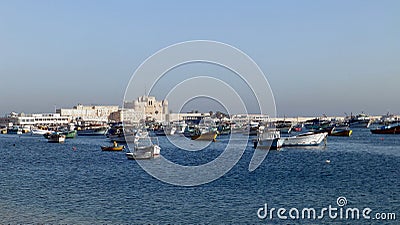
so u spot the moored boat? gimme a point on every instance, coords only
(112, 148)
(268, 139)
(70, 134)
(284, 126)
(387, 130)
(144, 148)
(204, 131)
(56, 138)
(359, 121)
(341, 132)
(93, 131)
(206, 136)
(306, 139)
(14, 130)
(39, 132)
(179, 127)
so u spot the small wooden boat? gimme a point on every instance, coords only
(208, 136)
(112, 148)
(341, 132)
(387, 130)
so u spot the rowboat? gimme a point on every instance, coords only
(112, 148)
(207, 136)
(341, 132)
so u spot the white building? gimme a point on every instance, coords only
(250, 117)
(89, 113)
(149, 107)
(27, 120)
(127, 116)
(188, 116)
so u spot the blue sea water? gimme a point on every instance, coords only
(77, 183)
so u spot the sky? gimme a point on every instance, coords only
(319, 57)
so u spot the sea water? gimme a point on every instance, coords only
(77, 183)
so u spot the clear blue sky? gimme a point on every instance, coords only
(319, 56)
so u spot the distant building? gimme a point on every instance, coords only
(126, 115)
(47, 119)
(149, 107)
(251, 117)
(89, 113)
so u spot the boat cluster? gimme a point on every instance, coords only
(267, 134)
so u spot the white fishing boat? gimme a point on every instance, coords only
(305, 139)
(144, 148)
(179, 126)
(39, 132)
(268, 139)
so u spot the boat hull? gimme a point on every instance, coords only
(147, 152)
(56, 138)
(341, 133)
(111, 148)
(360, 124)
(70, 134)
(39, 132)
(14, 131)
(93, 132)
(271, 144)
(385, 130)
(209, 136)
(308, 139)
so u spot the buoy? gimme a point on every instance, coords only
(74, 148)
